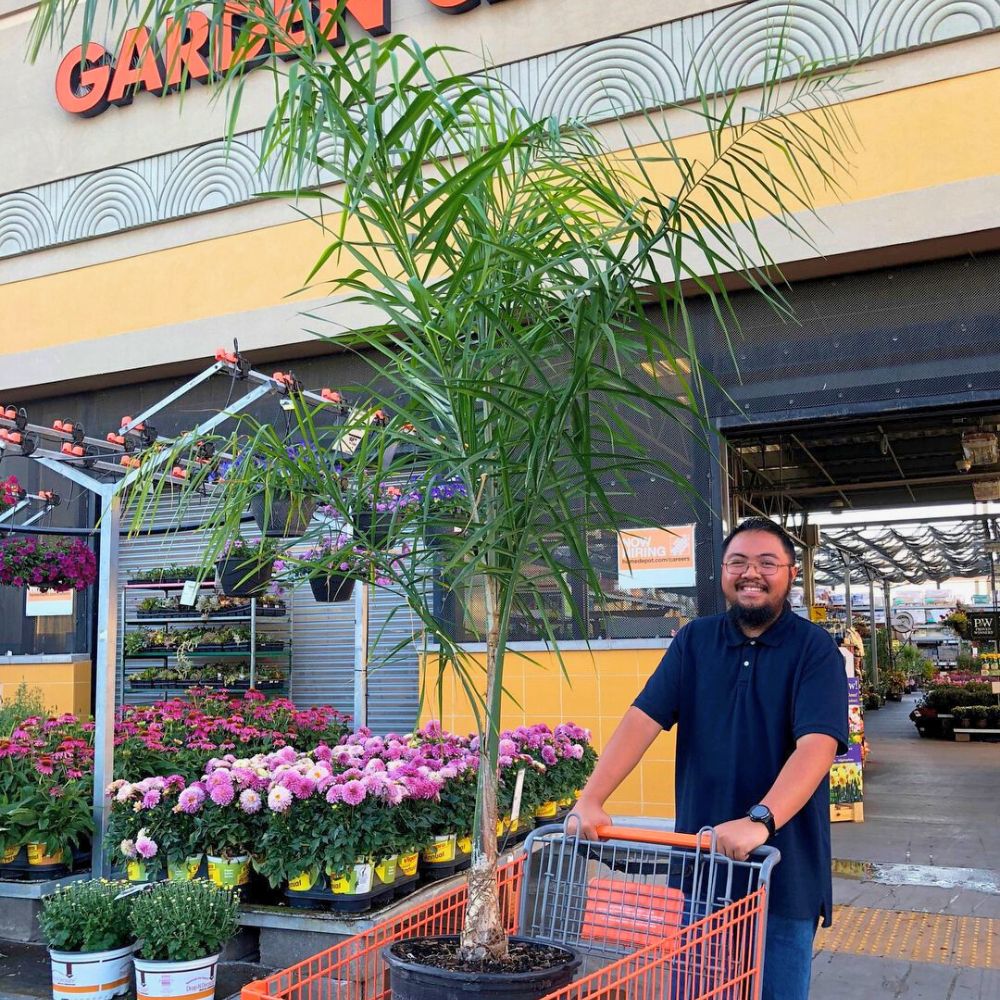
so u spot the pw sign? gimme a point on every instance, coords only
(90, 78)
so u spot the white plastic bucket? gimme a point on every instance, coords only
(91, 975)
(194, 980)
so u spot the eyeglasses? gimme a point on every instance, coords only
(766, 566)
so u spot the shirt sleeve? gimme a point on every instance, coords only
(820, 704)
(660, 698)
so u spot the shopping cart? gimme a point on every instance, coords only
(656, 915)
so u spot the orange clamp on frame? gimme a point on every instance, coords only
(178, 473)
(331, 396)
(57, 425)
(230, 357)
(9, 412)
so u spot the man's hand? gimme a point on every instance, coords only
(591, 816)
(739, 837)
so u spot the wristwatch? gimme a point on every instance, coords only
(761, 814)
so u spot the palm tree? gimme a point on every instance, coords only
(520, 272)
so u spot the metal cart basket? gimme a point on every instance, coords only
(656, 915)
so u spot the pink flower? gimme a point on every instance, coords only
(145, 847)
(354, 793)
(190, 799)
(221, 793)
(250, 801)
(151, 799)
(549, 755)
(279, 799)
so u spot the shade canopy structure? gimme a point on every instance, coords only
(908, 552)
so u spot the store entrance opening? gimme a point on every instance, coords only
(897, 525)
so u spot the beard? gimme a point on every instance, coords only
(759, 615)
(754, 617)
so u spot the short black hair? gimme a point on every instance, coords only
(762, 524)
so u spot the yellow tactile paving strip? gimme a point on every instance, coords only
(963, 942)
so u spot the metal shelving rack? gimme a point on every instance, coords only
(130, 695)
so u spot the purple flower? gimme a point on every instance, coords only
(549, 755)
(151, 799)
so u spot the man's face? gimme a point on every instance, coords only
(757, 596)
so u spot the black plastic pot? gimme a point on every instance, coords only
(233, 580)
(373, 528)
(332, 589)
(412, 981)
(289, 516)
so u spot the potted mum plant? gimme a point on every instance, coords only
(88, 929)
(508, 351)
(229, 823)
(182, 928)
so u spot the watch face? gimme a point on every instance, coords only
(759, 813)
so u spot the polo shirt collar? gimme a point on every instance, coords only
(772, 636)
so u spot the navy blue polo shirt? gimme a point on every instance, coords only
(739, 705)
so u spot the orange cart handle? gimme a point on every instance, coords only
(667, 838)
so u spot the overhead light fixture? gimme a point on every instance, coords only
(837, 505)
(980, 447)
(987, 489)
(963, 465)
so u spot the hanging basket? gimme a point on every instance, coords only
(373, 529)
(288, 516)
(237, 577)
(332, 589)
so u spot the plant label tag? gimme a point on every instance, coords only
(996, 687)
(189, 595)
(515, 809)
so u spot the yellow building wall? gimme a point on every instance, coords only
(597, 688)
(948, 130)
(65, 687)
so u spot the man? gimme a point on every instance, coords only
(759, 697)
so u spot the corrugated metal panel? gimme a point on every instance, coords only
(393, 680)
(323, 635)
(323, 657)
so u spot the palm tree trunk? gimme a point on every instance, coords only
(483, 934)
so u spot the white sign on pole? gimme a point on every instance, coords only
(656, 557)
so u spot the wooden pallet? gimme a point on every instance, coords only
(852, 813)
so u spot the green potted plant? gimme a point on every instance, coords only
(182, 928)
(88, 929)
(59, 820)
(522, 281)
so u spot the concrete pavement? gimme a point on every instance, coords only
(919, 918)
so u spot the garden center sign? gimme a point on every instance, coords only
(90, 78)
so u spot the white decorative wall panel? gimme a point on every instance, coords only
(618, 76)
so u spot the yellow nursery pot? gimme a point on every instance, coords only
(441, 849)
(38, 854)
